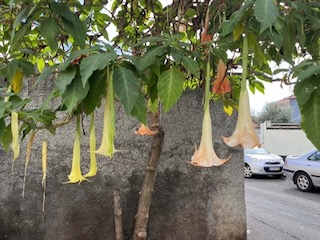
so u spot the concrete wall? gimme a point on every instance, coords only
(284, 140)
(188, 203)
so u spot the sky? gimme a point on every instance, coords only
(273, 92)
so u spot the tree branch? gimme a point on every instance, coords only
(142, 216)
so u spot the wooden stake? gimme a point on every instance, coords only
(117, 215)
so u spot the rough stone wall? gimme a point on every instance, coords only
(189, 203)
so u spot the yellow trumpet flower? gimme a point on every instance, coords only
(244, 133)
(15, 145)
(44, 163)
(16, 82)
(107, 145)
(75, 175)
(93, 162)
(205, 156)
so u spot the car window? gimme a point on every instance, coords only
(256, 151)
(315, 156)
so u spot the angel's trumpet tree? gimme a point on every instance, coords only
(107, 145)
(75, 175)
(244, 133)
(205, 155)
(93, 162)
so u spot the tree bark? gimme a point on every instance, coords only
(142, 216)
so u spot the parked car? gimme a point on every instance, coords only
(259, 161)
(304, 170)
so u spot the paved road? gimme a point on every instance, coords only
(277, 210)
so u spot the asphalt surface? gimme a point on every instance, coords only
(277, 210)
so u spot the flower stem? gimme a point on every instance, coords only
(244, 62)
(207, 84)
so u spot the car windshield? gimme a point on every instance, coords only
(260, 151)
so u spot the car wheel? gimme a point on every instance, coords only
(303, 182)
(247, 171)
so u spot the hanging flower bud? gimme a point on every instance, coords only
(15, 145)
(221, 84)
(16, 83)
(44, 163)
(93, 162)
(107, 145)
(145, 130)
(28, 156)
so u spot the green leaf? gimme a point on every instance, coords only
(49, 29)
(289, 39)
(27, 67)
(192, 66)
(6, 137)
(16, 37)
(65, 78)
(2, 109)
(170, 87)
(77, 30)
(97, 90)
(74, 93)
(148, 58)
(10, 70)
(45, 74)
(127, 88)
(139, 109)
(71, 22)
(229, 25)
(310, 115)
(311, 70)
(266, 12)
(259, 57)
(303, 89)
(76, 54)
(95, 62)
(2, 128)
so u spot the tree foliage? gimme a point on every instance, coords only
(275, 113)
(156, 50)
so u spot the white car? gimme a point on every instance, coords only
(304, 170)
(259, 161)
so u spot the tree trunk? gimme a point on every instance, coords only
(142, 216)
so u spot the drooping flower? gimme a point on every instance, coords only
(15, 145)
(75, 175)
(28, 156)
(145, 130)
(107, 145)
(221, 83)
(244, 133)
(93, 162)
(44, 163)
(205, 155)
